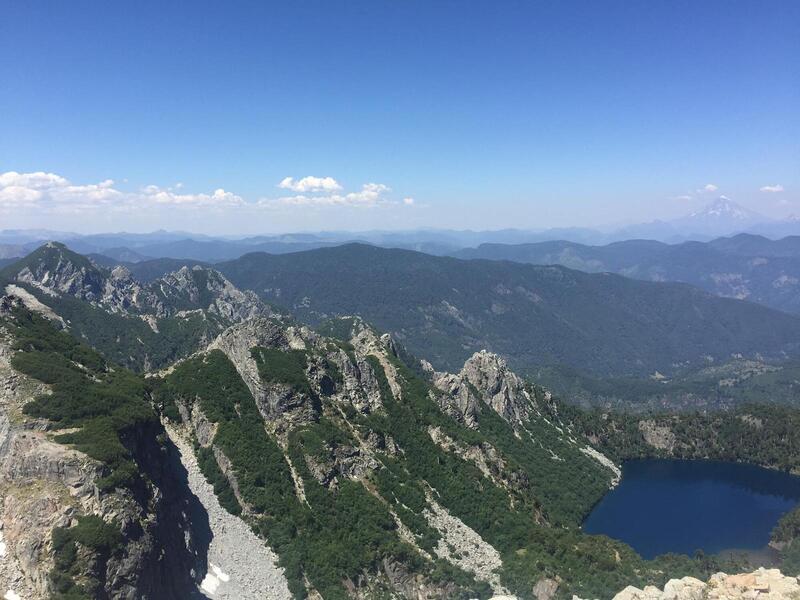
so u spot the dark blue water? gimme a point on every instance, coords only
(682, 506)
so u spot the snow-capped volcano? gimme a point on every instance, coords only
(725, 208)
(721, 217)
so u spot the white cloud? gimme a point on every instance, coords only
(48, 192)
(30, 197)
(218, 198)
(310, 184)
(772, 188)
(37, 180)
(370, 196)
(709, 187)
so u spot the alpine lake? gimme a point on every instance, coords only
(682, 506)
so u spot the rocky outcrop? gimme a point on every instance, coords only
(657, 436)
(237, 342)
(57, 271)
(489, 462)
(341, 461)
(206, 289)
(764, 584)
(485, 378)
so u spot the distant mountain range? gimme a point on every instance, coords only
(747, 267)
(722, 217)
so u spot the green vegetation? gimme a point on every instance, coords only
(595, 566)
(279, 366)
(788, 528)
(125, 339)
(786, 536)
(741, 256)
(222, 488)
(724, 386)
(128, 340)
(591, 566)
(108, 405)
(71, 577)
(259, 466)
(335, 535)
(258, 463)
(763, 435)
(445, 309)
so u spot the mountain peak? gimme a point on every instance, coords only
(56, 270)
(725, 208)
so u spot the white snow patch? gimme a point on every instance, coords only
(213, 579)
(12, 595)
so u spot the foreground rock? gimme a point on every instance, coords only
(764, 584)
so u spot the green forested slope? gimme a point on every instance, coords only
(445, 309)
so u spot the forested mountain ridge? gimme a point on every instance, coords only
(141, 326)
(746, 267)
(445, 309)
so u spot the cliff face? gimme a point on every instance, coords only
(47, 486)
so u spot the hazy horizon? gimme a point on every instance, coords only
(395, 116)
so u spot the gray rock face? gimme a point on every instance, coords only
(61, 272)
(499, 387)
(657, 436)
(485, 378)
(237, 342)
(341, 461)
(44, 485)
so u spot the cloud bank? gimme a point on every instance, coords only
(43, 199)
(53, 193)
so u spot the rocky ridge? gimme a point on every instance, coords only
(343, 389)
(56, 271)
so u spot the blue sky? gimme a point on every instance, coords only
(436, 114)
